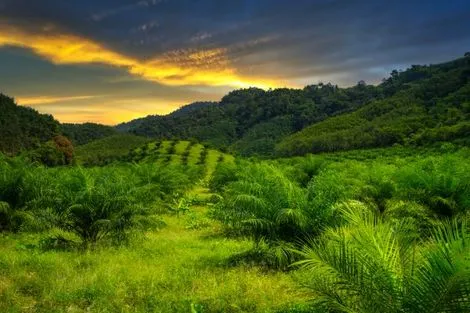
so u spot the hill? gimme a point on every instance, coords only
(427, 104)
(251, 121)
(23, 128)
(420, 105)
(105, 150)
(81, 134)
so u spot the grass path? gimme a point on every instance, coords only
(182, 268)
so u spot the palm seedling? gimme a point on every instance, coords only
(442, 184)
(373, 265)
(264, 205)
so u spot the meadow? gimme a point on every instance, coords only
(175, 226)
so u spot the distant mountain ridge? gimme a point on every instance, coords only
(184, 110)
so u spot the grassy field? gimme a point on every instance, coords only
(185, 267)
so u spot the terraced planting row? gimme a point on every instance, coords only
(180, 153)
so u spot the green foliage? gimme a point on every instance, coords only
(109, 149)
(289, 201)
(94, 204)
(373, 265)
(23, 128)
(56, 152)
(183, 154)
(419, 106)
(252, 121)
(441, 184)
(10, 218)
(422, 105)
(224, 174)
(262, 203)
(81, 134)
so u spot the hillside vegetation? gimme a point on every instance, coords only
(23, 128)
(81, 134)
(419, 106)
(180, 153)
(432, 104)
(252, 121)
(330, 233)
(108, 149)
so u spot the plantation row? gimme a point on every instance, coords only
(93, 204)
(179, 153)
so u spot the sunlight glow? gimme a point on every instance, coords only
(177, 68)
(32, 101)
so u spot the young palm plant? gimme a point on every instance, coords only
(12, 174)
(101, 204)
(375, 265)
(264, 205)
(442, 184)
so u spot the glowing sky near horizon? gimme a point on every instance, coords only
(110, 61)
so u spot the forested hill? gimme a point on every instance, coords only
(182, 111)
(251, 121)
(81, 134)
(420, 105)
(23, 128)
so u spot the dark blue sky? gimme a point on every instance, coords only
(113, 60)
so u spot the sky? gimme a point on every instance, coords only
(110, 61)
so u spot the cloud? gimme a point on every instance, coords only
(201, 36)
(181, 67)
(98, 17)
(32, 101)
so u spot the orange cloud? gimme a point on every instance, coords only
(184, 67)
(32, 101)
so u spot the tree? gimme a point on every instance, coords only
(56, 152)
(64, 145)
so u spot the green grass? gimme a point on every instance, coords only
(165, 145)
(176, 159)
(170, 271)
(181, 146)
(211, 161)
(194, 153)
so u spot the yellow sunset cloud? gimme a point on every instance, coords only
(183, 67)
